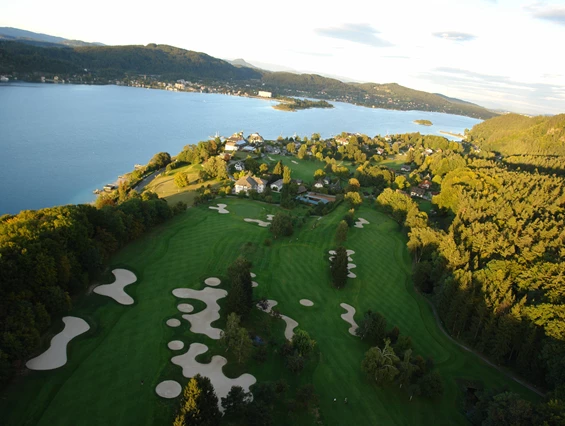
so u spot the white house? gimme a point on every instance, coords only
(277, 185)
(250, 183)
(231, 146)
(264, 94)
(239, 166)
(319, 184)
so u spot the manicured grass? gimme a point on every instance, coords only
(101, 384)
(395, 163)
(300, 169)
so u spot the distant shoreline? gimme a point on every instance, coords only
(457, 135)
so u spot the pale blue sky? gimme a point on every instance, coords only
(501, 54)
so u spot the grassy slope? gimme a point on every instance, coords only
(127, 344)
(165, 186)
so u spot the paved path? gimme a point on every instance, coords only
(147, 180)
(468, 349)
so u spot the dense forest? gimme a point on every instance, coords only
(171, 63)
(49, 255)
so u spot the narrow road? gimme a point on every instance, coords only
(147, 180)
(468, 349)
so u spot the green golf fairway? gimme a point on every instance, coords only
(101, 384)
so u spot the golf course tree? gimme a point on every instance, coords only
(235, 405)
(354, 199)
(341, 232)
(215, 168)
(319, 174)
(240, 294)
(281, 226)
(298, 350)
(199, 404)
(236, 339)
(339, 268)
(372, 328)
(181, 180)
(278, 170)
(380, 364)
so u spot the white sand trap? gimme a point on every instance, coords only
(173, 322)
(116, 289)
(360, 222)
(221, 208)
(290, 323)
(213, 281)
(252, 275)
(351, 275)
(259, 222)
(56, 355)
(332, 252)
(186, 308)
(348, 317)
(294, 161)
(168, 389)
(270, 216)
(272, 159)
(213, 370)
(201, 322)
(254, 284)
(306, 302)
(175, 345)
(350, 252)
(351, 265)
(349, 259)
(332, 258)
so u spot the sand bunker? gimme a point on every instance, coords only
(332, 252)
(290, 323)
(221, 208)
(168, 389)
(116, 289)
(306, 302)
(175, 345)
(186, 308)
(213, 370)
(201, 322)
(259, 222)
(360, 222)
(348, 317)
(351, 265)
(272, 159)
(252, 275)
(213, 281)
(56, 355)
(293, 161)
(254, 284)
(351, 275)
(173, 322)
(350, 252)
(270, 216)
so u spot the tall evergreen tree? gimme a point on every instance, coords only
(339, 268)
(240, 296)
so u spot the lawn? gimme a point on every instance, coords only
(395, 163)
(300, 169)
(101, 383)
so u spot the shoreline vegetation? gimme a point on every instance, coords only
(423, 122)
(294, 104)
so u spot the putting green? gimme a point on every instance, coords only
(128, 345)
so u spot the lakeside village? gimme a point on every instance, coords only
(246, 163)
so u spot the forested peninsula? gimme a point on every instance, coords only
(294, 104)
(158, 66)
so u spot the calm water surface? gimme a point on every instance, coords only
(60, 142)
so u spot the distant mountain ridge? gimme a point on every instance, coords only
(50, 55)
(24, 36)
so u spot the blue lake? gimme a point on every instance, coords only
(60, 142)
